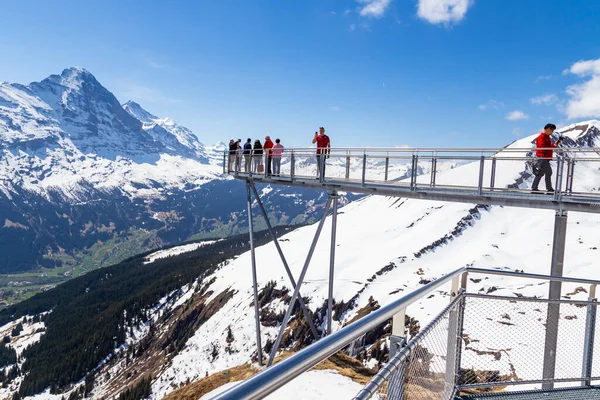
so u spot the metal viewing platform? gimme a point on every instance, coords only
(487, 176)
(434, 364)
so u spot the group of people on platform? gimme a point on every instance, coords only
(253, 156)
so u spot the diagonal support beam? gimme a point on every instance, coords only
(299, 284)
(254, 283)
(284, 261)
(334, 198)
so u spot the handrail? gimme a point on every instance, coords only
(474, 270)
(447, 149)
(278, 375)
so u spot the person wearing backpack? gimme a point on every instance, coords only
(323, 150)
(541, 165)
(247, 155)
(232, 151)
(257, 153)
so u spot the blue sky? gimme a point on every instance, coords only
(449, 73)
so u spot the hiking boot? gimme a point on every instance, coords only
(536, 191)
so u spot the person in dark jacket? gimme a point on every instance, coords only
(257, 154)
(232, 151)
(544, 153)
(247, 154)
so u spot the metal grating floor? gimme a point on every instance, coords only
(591, 393)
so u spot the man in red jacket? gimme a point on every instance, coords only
(267, 148)
(543, 152)
(323, 149)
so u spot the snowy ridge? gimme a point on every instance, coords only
(70, 134)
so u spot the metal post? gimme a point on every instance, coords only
(347, 167)
(570, 174)
(453, 326)
(480, 184)
(253, 258)
(588, 343)
(413, 173)
(560, 162)
(334, 199)
(364, 170)
(293, 166)
(398, 337)
(493, 178)
(285, 264)
(387, 165)
(433, 171)
(556, 269)
(225, 166)
(397, 342)
(299, 284)
(266, 165)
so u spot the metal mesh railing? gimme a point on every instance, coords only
(504, 341)
(575, 171)
(425, 369)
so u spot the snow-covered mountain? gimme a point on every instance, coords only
(386, 247)
(78, 169)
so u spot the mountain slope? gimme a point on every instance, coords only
(86, 182)
(386, 247)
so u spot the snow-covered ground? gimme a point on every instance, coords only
(173, 251)
(314, 385)
(376, 231)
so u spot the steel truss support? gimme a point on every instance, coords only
(334, 200)
(558, 256)
(296, 294)
(253, 258)
(284, 261)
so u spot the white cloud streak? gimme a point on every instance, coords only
(443, 11)
(516, 115)
(544, 99)
(584, 99)
(491, 104)
(374, 8)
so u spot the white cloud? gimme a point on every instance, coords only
(516, 115)
(491, 104)
(543, 78)
(443, 11)
(584, 99)
(544, 99)
(373, 8)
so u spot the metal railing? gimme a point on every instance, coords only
(507, 170)
(443, 358)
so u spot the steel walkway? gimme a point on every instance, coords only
(435, 363)
(574, 190)
(589, 393)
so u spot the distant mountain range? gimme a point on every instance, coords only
(86, 181)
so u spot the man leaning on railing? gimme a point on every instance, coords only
(541, 165)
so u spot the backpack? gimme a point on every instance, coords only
(536, 166)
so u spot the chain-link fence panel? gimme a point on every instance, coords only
(426, 368)
(504, 340)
